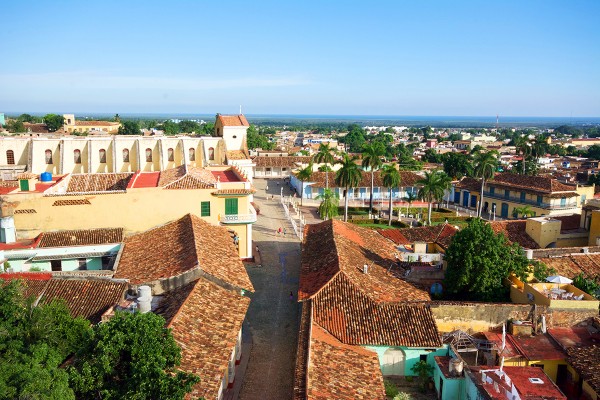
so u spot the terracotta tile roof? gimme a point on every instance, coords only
(96, 123)
(441, 234)
(237, 155)
(233, 120)
(333, 247)
(26, 175)
(470, 184)
(408, 179)
(206, 320)
(87, 298)
(515, 233)
(26, 211)
(181, 246)
(188, 177)
(568, 222)
(574, 336)
(586, 361)
(38, 128)
(243, 192)
(519, 376)
(83, 237)
(228, 175)
(354, 318)
(33, 283)
(302, 351)
(75, 202)
(98, 182)
(340, 371)
(574, 264)
(543, 184)
(285, 161)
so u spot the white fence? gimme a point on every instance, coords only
(293, 214)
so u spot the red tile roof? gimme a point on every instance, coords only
(572, 265)
(82, 237)
(21, 244)
(510, 350)
(96, 123)
(568, 222)
(228, 175)
(333, 247)
(358, 308)
(586, 361)
(340, 371)
(233, 120)
(206, 320)
(179, 247)
(515, 233)
(87, 298)
(532, 184)
(441, 234)
(187, 177)
(98, 182)
(574, 336)
(144, 180)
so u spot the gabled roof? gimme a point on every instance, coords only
(179, 247)
(358, 373)
(206, 320)
(81, 237)
(538, 183)
(87, 298)
(408, 179)
(333, 247)
(80, 183)
(586, 361)
(441, 234)
(357, 307)
(515, 233)
(187, 177)
(233, 120)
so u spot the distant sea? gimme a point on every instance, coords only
(376, 120)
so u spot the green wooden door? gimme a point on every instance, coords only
(231, 206)
(24, 185)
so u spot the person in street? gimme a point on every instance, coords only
(279, 231)
(291, 297)
(284, 231)
(236, 239)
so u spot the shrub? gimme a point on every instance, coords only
(402, 396)
(424, 371)
(390, 388)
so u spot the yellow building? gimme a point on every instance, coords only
(73, 126)
(507, 192)
(135, 201)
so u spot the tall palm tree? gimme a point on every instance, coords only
(486, 164)
(303, 175)
(523, 146)
(325, 155)
(329, 204)
(446, 183)
(391, 179)
(433, 185)
(410, 197)
(371, 159)
(348, 176)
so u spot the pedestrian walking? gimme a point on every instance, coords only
(284, 231)
(279, 231)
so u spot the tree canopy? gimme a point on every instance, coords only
(256, 140)
(478, 262)
(54, 122)
(129, 128)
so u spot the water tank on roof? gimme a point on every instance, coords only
(46, 177)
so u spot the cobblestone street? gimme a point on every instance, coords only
(272, 318)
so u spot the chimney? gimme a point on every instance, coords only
(529, 254)
(144, 299)
(365, 269)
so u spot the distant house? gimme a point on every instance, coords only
(73, 126)
(316, 185)
(277, 166)
(356, 305)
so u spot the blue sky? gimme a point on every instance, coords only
(477, 58)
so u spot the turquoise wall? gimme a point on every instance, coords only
(453, 388)
(412, 355)
(93, 264)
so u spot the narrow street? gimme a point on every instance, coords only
(272, 319)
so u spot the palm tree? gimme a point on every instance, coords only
(371, 160)
(391, 179)
(524, 147)
(433, 185)
(446, 183)
(410, 197)
(303, 175)
(348, 176)
(329, 204)
(324, 155)
(525, 211)
(485, 167)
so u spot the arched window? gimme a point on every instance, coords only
(148, 155)
(10, 157)
(77, 156)
(102, 154)
(211, 153)
(192, 154)
(125, 155)
(170, 154)
(48, 156)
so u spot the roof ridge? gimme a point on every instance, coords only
(184, 302)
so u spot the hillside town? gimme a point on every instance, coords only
(348, 262)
